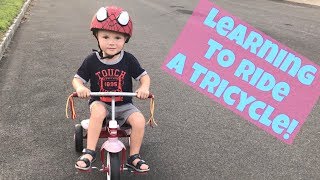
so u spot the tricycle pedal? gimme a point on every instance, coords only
(89, 170)
(131, 170)
(85, 171)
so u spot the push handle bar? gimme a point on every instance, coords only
(74, 94)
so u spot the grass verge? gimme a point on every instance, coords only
(9, 9)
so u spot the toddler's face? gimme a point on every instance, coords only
(111, 42)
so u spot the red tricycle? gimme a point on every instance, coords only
(113, 151)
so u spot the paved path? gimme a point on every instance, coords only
(37, 140)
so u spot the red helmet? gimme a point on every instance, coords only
(113, 19)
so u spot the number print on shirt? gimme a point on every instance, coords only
(111, 80)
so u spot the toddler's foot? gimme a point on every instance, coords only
(135, 162)
(84, 162)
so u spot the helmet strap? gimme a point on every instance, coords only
(107, 56)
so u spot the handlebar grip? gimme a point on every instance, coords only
(151, 95)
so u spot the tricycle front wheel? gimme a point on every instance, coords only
(113, 163)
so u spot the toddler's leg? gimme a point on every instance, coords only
(137, 122)
(98, 113)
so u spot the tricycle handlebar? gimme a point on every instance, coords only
(74, 94)
(113, 94)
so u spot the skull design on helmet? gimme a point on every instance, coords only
(112, 19)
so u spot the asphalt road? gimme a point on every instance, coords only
(196, 137)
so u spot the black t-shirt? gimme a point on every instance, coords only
(115, 76)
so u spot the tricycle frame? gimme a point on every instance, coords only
(113, 147)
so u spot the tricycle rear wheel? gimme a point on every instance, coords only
(78, 137)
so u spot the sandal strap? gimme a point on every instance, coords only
(85, 160)
(89, 151)
(140, 163)
(133, 157)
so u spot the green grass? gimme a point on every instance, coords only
(9, 9)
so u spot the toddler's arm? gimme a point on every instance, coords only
(82, 91)
(143, 90)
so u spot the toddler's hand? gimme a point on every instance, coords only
(142, 93)
(83, 92)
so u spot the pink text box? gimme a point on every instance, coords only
(245, 70)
